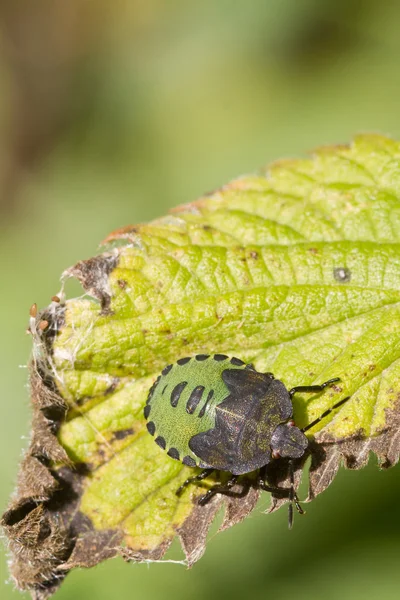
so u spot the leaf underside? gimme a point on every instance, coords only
(296, 270)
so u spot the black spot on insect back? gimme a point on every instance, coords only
(152, 389)
(220, 357)
(194, 399)
(203, 409)
(173, 453)
(201, 357)
(146, 411)
(151, 428)
(166, 369)
(237, 362)
(188, 461)
(160, 442)
(176, 393)
(184, 361)
(342, 274)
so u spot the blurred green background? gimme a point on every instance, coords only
(113, 112)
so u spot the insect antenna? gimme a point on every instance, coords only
(291, 493)
(324, 414)
(293, 499)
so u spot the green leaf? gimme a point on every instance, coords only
(296, 270)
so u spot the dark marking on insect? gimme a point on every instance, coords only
(184, 361)
(194, 399)
(342, 274)
(220, 357)
(55, 299)
(151, 428)
(147, 410)
(164, 388)
(237, 362)
(245, 423)
(166, 369)
(176, 393)
(123, 433)
(203, 409)
(201, 357)
(152, 389)
(188, 461)
(173, 453)
(160, 441)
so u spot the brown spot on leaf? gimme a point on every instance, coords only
(93, 274)
(124, 233)
(112, 387)
(123, 433)
(101, 452)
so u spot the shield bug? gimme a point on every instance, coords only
(220, 414)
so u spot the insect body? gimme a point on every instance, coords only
(218, 413)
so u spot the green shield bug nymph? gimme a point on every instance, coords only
(220, 414)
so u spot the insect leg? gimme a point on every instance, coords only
(219, 489)
(283, 492)
(312, 388)
(325, 414)
(205, 473)
(293, 499)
